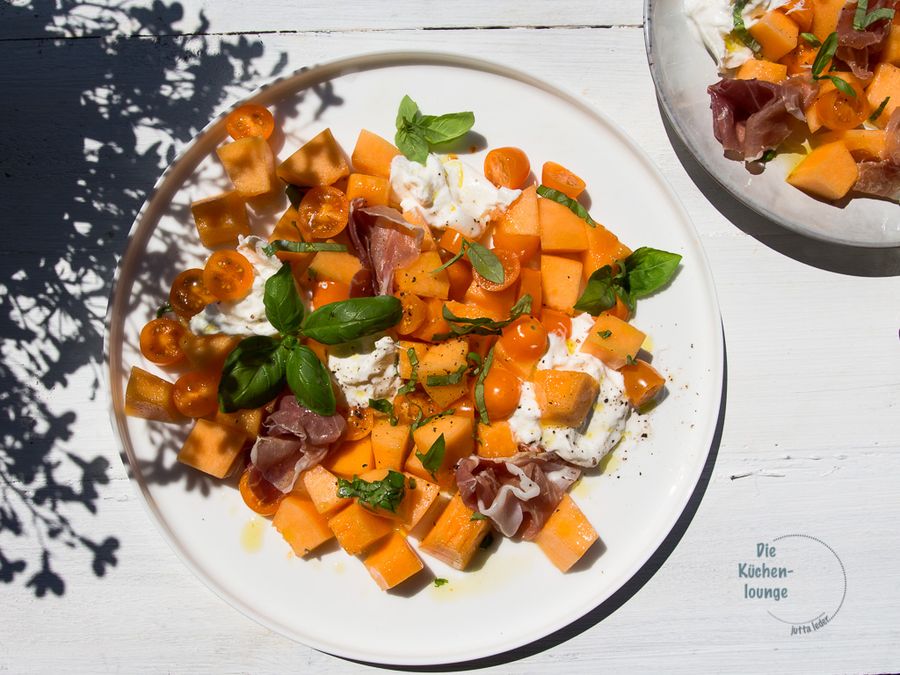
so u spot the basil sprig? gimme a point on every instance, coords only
(863, 18)
(417, 133)
(284, 307)
(385, 494)
(483, 260)
(482, 325)
(740, 29)
(310, 381)
(434, 458)
(823, 57)
(253, 373)
(643, 272)
(301, 246)
(348, 320)
(483, 371)
(568, 202)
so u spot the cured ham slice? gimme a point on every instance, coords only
(882, 178)
(517, 493)
(294, 439)
(858, 48)
(384, 241)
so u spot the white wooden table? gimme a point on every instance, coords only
(97, 98)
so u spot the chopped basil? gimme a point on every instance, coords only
(385, 494)
(604, 334)
(301, 246)
(740, 29)
(629, 360)
(414, 372)
(439, 581)
(768, 156)
(434, 458)
(382, 405)
(483, 260)
(568, 202)
(450, 378)
(863, 18)
(416, 133)
(479, 387)
(872, 118)
(811, 39)
(412, 483)
(460, 325)
(823, 57)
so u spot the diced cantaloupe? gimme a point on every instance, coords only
(434, 324)
(829, 171)
(357, 528)
(558, 177)
(494, 304)
(891, 51)
(885, 83)
(496, 440)
(404, 365)
(460, 276)
(420, 496)
(776, 34)
(604, 248)
(322, 486)
(250, 165)
(373, 154)
(247, 421)
(212, 448)
(301, 525)
(560, 282)
(825, 17)
(339, 266)
(351, 458)
(374, 189)
(761, 69)
(443, 359)
(392, 561)
(419, 277)
(150, 397)
(800, 12)
(613, 341)
(567, 535)
(458, 442)
(455, 537)
(522, 215)
(390, 444)
(319, 161)
(208, 352)
(561, 230)
(221, 219)
(863, 144)
(530, 284)
(565, 397)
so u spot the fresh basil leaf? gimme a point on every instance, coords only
(648, 270)
(842, 85)
(284, 308)
(568, 202)
(478, 516)
(407, 112)
(348, 320)
(310, 381)
(457, 256)
(479, 387)
(824, 55)
(385, 494)
(482, 325)
(295, 194)
(450, 378)
(604, 334)
(878, 15)
(301, 246)
(384, 406)
(445, 128)
(811, 39)
(872, 118)
(166, 307)
(434, 458)
(414, 372)
(768, 156)
(412, 143)
(599, 294)
(485, 262)
(740, 29)
(440, 581)
(253, 374)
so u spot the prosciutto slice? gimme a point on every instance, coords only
(882, 178)
(857, 48)
(517, 493)
(294, 439)
(384, 241)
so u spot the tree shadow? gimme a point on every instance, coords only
(89, 122)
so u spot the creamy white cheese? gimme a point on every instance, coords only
(601, 430)
(713, 23)
(248, 315)
(365, 369)
(447, 192)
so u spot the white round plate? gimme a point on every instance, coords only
(682, 70)
(515, 595)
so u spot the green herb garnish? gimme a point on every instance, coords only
(295, 194)
(811, 39)
(478, 516)
(417, 133)
(166, 307)
(479, 387)
(301, 246)
(253, 373)
(439, 581)
(604, 333)
(482, 325)
(483, 261)
(571, 204)
(768, 156)
(863, 18)
(414, 372)
(450, 378)
(434, 458)
(740, 29)
(823, 57)
(310, 381)
(872, 118)
(284, 307)
(382, 405)
(643, 272)
(348, 320)
(422, 421)
(385, 494)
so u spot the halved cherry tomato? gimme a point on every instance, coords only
(415, 312)
(196, 393)
(359, 423)
(228, 275)
(556, 322)
(642, 382)
(511, 269)
(258, 493)
(558, 177)
(502, 391)
(839, 111)
(250, 120)
(526, 246)
(525, 339)
(323, 212)
(326, 292)
(507, 167)
(189, 295)
(161, 342)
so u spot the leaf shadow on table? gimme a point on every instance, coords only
(89, 121)
(838, 258)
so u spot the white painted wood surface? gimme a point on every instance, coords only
(811, 435)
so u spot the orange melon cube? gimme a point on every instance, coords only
(208, 352)
(560, 282)
(352, 458)
(321, 485)
(455, 537)
(419, 277)
(530, 284)
(829, 171)
(458, 440)
(357, 528)
(212, 448)
(319, 161)
(613, 341)
(565, 397)
(502, 359)
(301, 525)
(373, 154)
(374, 189)
(800, 12)
(434, 324)
(248, 421)
(776, 34)
(390, 444)
(150, 397)
(604, 248)
(496, 440)
(885, 83)
(891, 52)
(339, 266)
(443, 359)
(250, 165)
(863, 144)
(392, 562)
(494, 304)
(567, 535)
(760, 69)
(418, 500)
(522, 216)
(825, 17)
(404, 366)
(221, 219)
(561, 230)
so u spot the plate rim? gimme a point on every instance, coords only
(706, 163)
(324, 71)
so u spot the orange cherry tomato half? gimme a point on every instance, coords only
(502, 391)
(323, 212)
(326, 292)
(558, 177)
(258, 493)
(507, 167)
(524, 340)
(189, 295)
(642, 382)
(228, 275)
(250, 120)
(838, 110)
(511, 269)
(161, 342)
(359, 423)
(196, 393)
